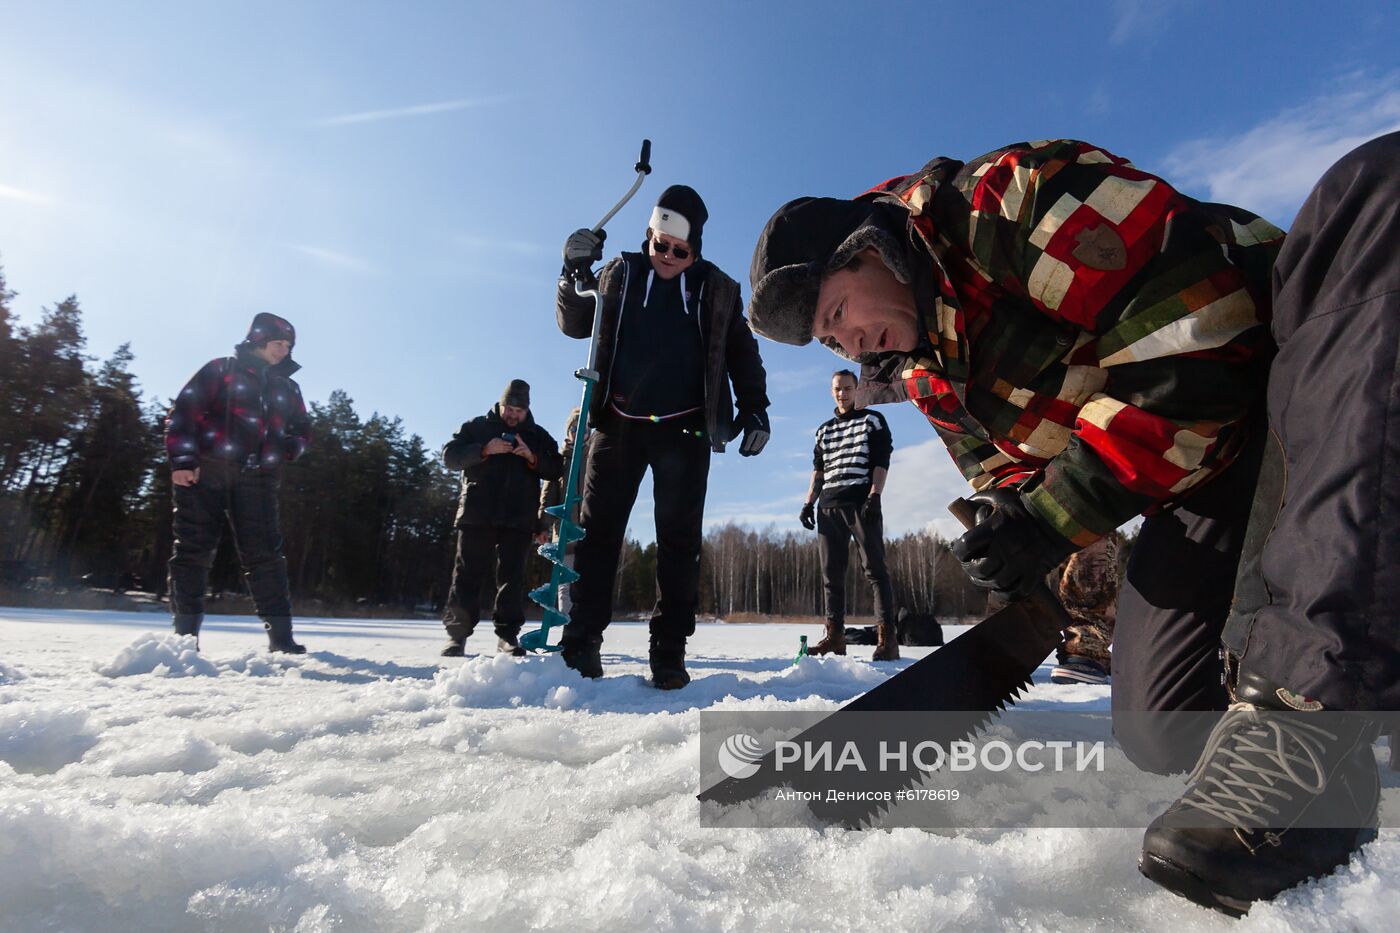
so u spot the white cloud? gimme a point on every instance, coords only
(1138, 19)
(812, 378)
(1269, 168)
(333, 258)
(922, 481)
(415, 110)
(23, 194)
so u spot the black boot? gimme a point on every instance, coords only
(279, 635)
(457, 635)
(582, 652)
(1279, 796)
(508, 642)
(188, 624)
(668, 663)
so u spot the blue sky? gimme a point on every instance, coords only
(398, 179)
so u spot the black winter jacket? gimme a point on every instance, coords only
(503, 489)
(731, 352)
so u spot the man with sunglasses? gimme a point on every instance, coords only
(672, 341)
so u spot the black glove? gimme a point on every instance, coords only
(808, 518)
(755, 425)
(870, 509)
(1010, 549)
(582, 249)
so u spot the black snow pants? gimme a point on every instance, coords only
(482, 549)
(836, 526)
(619, 453)
(1314, 568)
(246, 499)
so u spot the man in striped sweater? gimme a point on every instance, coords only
(849, 465)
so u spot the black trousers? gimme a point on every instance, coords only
(248, 501)
(1313, 567)
(619, 454)
(836, 527)
(484, 552)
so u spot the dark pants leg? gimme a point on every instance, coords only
(1326, 615)
(476, 555)
(869, 534)
(833, 544)
(257, 532)
(512, 549)
(1173, 606)
(198, 521)
(612, 474)
(680, 472)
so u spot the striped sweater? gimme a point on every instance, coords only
(1094, 336)
(849, 448)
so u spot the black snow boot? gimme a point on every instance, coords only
(1281, 794)
(279, 635)
(582, 652)
(508, 642)
(188, 624)
(667, 657)
(457, 635)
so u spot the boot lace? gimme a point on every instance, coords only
(1254, 761)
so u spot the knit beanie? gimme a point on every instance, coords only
(680, 213)
(517, 394)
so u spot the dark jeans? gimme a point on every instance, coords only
(482, 549)
(247, 500)
(836, 527)
(619, 453)
(1317, 596)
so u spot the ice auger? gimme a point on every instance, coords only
(567, 530)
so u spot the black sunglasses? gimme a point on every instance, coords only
(661, 247)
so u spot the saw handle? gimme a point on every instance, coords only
(964, 511)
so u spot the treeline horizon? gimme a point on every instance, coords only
(367, 513)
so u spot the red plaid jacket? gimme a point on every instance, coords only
(1094, 336)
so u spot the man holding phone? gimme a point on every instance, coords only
(503, 455)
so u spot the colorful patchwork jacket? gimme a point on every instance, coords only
(1094, 336)
(238, 409)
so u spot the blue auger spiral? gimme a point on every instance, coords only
(567, 530)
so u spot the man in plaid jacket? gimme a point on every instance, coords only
(1093, 345)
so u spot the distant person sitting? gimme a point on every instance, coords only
(503, 455)
(230, 430)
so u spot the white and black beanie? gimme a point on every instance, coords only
(680, 213)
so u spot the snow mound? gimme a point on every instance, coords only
(169, 655)
(40, 740)
(9, 674)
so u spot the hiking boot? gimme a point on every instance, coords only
(1077, 670)
(457, 635)
(1282, 793)
(188, 624)
(667, 658)
(509, 643)
(582, 652)
(834, 642)
(279, 636)
(887, 648)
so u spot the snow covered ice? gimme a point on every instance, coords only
(365, 786)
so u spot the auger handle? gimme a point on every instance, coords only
(643, 169)
(964, 511)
